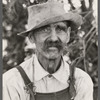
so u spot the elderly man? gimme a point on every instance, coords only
(47, 75)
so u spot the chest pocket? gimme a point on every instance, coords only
(67, 94)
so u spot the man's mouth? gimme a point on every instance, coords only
(53, 48)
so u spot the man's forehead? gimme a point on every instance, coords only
(62, 23)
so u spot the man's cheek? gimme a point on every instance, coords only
(40, 46)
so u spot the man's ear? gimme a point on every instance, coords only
(68, 34)
(31, 37)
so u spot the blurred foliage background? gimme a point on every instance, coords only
(83, 43)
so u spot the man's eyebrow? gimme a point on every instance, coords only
(44, 26)
(64, 25)
(41, 28)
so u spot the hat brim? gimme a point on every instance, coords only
(75, 18)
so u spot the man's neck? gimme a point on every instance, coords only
(50, 65)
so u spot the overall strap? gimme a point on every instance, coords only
(72, 67)
(29, 85)
(72, 90)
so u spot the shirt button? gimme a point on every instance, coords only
(49, 75)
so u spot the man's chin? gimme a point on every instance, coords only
(53, 55)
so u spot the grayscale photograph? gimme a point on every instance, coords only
(50, 49)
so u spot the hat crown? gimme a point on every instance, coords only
(50, 12)
(41, 12)
(50, 5)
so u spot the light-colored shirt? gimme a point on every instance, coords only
(13, 84)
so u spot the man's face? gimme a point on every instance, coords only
(51, 39)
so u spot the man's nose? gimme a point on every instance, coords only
(54, 36)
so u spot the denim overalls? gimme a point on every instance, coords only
(66, 94)
(60, 95)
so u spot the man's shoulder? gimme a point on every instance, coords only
(13, 74)
(83, 79)
(79, 73)
(10, 75)
(27, 62)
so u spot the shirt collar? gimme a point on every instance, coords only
(62, 74)
(39, 72)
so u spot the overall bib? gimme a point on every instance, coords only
(66, 94)
(60, 95)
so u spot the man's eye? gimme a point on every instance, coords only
(46, 30)
(59, 28)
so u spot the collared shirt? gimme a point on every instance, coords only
(13, 85)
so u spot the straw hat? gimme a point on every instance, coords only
(50, 12)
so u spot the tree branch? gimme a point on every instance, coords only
(93, 33)
(72, 6)
(83, 7)
(90, 4)
(84, 53)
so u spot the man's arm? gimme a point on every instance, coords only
(11, 85)
(9, 92)
(84, 88)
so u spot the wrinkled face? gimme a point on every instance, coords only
(51, 39)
